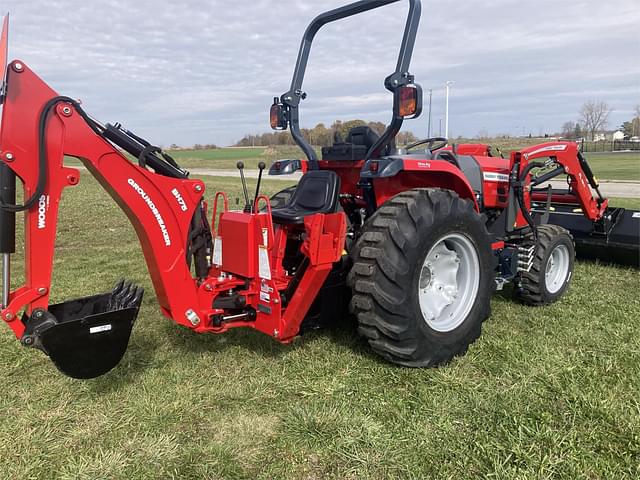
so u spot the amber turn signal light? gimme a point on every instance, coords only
(278, 116)
(410, 101)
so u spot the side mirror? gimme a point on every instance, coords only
(410, 101)
(278, 115)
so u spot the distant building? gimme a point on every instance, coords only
(619, 135)
(599, 137)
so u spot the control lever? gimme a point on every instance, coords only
(247, 206)
(261, 167)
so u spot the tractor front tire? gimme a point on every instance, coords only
(422, 277)
(552, 267)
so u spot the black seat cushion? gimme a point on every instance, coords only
(317, 192)
(359, 141)
(363, 135)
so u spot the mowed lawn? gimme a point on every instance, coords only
(227, 158)
(608, 166)
(615, 166)
(220, 158)
(548, 392)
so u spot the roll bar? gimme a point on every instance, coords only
(401, 77)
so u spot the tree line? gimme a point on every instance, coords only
(593, 118)
(320, 135)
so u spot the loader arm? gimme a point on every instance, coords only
(566, 159)
(600, 232)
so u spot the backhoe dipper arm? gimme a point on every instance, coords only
(159, 207)
(569, 162)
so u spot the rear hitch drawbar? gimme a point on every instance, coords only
(86, 337)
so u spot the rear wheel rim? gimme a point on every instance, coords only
(449, 282)
(557, 269)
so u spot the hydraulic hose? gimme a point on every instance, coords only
(519, 190)
(42, 151)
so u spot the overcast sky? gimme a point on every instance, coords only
(190, 72)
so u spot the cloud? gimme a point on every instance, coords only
(205, 72)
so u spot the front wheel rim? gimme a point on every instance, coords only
(557, 269)
(449, 282)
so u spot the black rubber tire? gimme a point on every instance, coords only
(533, 289)
(279, 199)
(388, 258)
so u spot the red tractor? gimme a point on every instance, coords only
(414, 239)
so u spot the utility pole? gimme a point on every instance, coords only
(429, 128)
(439, 127)
(446, 109)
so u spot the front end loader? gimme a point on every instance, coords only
(415, 240)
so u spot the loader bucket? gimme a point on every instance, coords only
(614, 239)
(86, 337)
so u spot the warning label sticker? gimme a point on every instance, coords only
(264, 271)
(217, 251)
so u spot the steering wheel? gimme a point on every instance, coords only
(433, 144)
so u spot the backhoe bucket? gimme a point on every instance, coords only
(616, 238)
(86, 337)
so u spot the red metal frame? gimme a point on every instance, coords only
(160, 221)
(566, 154)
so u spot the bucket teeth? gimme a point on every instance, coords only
(129, 298)
(125, 295)
(137, 298)
(118, 286)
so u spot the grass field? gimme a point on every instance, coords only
(221, 158)
(613, 166)
(547, 392)
(227, 158)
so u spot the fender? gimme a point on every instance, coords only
(392, 175)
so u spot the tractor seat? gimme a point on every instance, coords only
(317, 192)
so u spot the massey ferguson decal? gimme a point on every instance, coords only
(43, 207)
(495, 177)
(550, 148)
(154, 210)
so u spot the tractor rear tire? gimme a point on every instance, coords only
(417, 245)
(552, 267)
